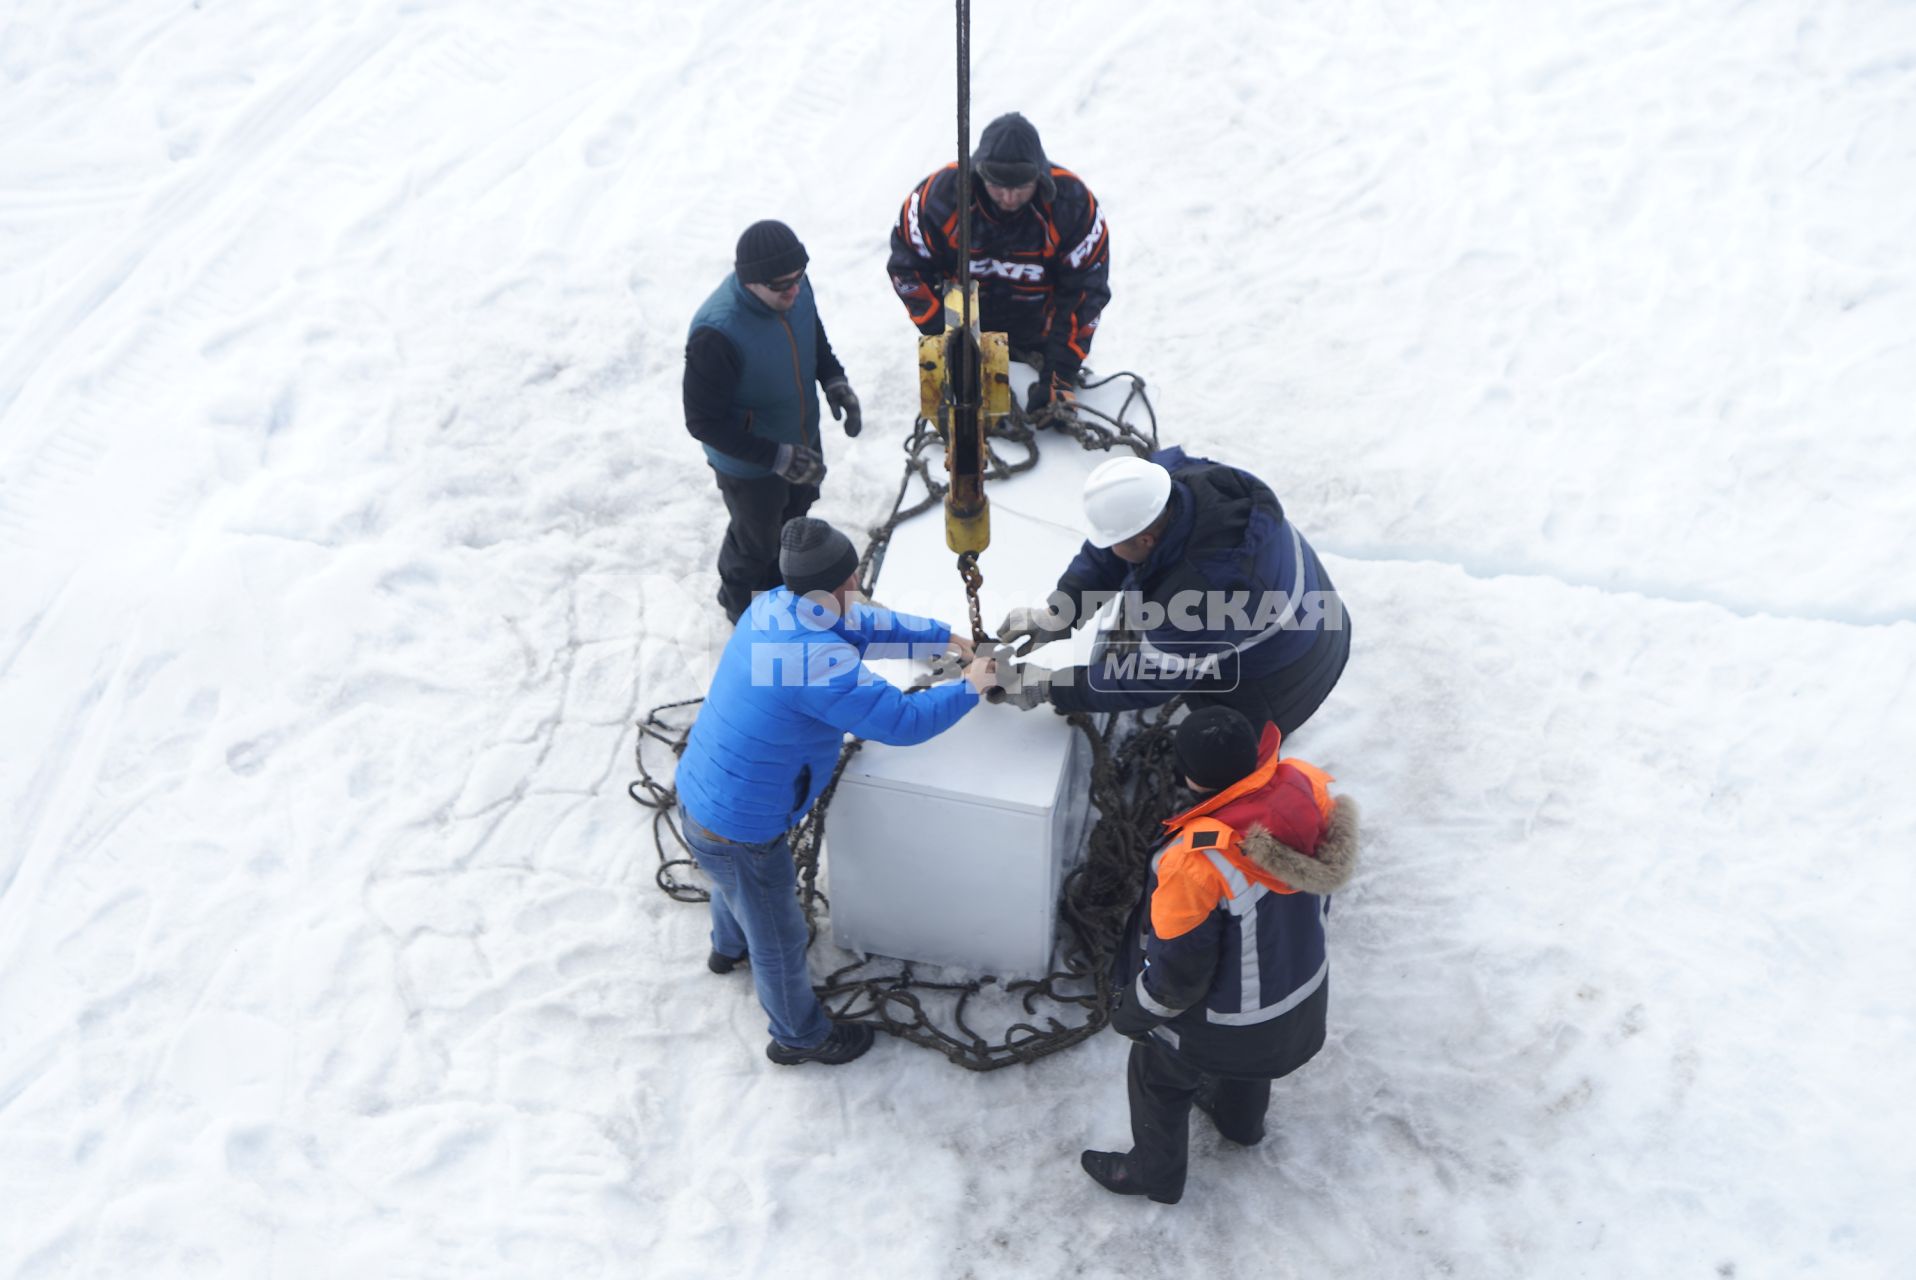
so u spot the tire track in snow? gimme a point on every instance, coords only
(247, 148)
(166, 489)
(35, 202)
(1659, 593)
(64, 797)
(33, 507)
(70, 447)
(26, 1068)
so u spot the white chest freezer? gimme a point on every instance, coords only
(953, 851)
(960, 867)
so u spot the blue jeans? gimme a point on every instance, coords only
(755, 906)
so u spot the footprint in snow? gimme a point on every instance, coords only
(249, 757)
(608, 145)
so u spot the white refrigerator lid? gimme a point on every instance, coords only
(996, 756)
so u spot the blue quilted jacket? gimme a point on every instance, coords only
(790, 685)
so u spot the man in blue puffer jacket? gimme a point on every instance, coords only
(1220, 596)
(789, 686)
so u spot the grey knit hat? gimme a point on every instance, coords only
(813, 556)
(768, 250)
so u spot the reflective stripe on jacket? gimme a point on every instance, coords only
(1227, 961)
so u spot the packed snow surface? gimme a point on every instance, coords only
(348, 521)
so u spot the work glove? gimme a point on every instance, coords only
(844, 403)
(1051, 388)
(798, 465)
(1131, 1020)
(1028, 686)
(1033, 626)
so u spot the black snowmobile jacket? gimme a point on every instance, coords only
(1043, 272)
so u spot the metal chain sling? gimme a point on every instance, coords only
(1134, 787)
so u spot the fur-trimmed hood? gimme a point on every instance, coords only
(1276, 808)
(1327, 872)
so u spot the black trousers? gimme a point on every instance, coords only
(1162, 1085)
(748, 558)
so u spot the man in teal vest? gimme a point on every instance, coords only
(754, 360)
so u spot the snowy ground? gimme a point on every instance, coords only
(348, 521)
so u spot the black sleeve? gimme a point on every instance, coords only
(712, 368)
(1088, 582)
(1178, 972)
(1071, 691)
(1177, 975)
(921, 260)
(1131, 1018)
(1093, 569)
(1083, 284)
(828, 366)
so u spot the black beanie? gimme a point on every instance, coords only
(813, 556)
(1216, 747)
(767, 251)
(1009, 154)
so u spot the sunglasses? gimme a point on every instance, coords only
(785, 283)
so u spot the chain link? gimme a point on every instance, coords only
(974, 582)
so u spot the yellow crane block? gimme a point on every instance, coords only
(967, 511)
(994, 368)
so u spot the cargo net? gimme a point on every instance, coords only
(977, 1021)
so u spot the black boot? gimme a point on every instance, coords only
(1112, 1171)
(719, 962)
(846, 1041)
(1206, 1101)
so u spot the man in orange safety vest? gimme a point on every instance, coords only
(1224, 977)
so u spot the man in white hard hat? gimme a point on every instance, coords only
(1219, 597)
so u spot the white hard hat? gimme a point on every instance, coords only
(1122, 497)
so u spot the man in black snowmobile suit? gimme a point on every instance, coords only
(1040, 252)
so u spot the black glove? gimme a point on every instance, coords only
(798, 465)
(1027, 687)
(844, 403)
(1051, 387)
(1131, 1020)
(1035, 626)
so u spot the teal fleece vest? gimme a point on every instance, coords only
(777, 396)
